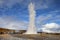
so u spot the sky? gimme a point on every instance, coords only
(14, 14)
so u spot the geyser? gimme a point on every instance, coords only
(31, 29)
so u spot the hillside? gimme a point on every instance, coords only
(4, 30)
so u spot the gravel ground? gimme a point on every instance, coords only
(15, 38)
(26, 38)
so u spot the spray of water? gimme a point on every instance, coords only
(31, 28)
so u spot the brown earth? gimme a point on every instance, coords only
(33, 36)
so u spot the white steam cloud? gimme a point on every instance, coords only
(32, 14)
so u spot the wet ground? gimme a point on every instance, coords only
(29, 37)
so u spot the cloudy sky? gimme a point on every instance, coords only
(14, 14)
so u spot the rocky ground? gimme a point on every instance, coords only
(29, 37)
(39, 36)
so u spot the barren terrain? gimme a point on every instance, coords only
(29, 37)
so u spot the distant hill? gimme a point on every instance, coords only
(4, 30)
(48, 33)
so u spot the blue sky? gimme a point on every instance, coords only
(14, 14)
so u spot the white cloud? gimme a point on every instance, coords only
(51, 25)
(12, 24)
(41, 19)
(9, 3)
(39, 4)
(50, 17)
(51, 28)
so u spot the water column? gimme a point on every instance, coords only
(31, 29)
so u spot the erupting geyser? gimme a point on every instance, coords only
(31, 29)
